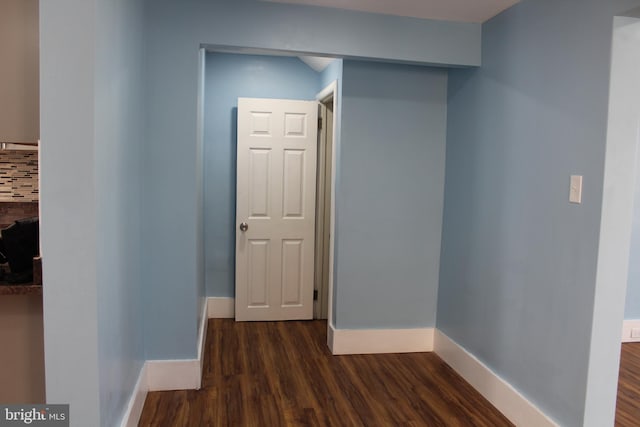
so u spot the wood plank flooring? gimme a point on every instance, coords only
(628, 404)
(282, 374)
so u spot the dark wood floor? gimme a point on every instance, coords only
(282, 374)
(628, 406)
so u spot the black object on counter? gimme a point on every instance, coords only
(19, 244)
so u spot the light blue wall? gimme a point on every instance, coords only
(389, 195)
(518, 269)
(174, 32)
(229, 77)
(118, 161)
(335, 32)
(616, 223)
(332, 73)
(632, 308)
(170, 195)
(68, 225)
(91, 131)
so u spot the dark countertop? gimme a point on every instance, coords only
(26, 289)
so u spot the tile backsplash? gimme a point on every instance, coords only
(18, 176)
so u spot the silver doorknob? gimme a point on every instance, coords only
(244, 226)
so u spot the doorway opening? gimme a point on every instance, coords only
(231, 74)
(324, 203)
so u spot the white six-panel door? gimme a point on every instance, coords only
(275, 209)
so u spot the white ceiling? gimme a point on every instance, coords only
(447, 10)
(317, 63)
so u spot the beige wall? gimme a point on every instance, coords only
(21, 327)
(21, 349)
(19, 86)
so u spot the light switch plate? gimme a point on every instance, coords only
(575, 189)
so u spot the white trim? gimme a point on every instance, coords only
(324, 94)
(202, 338)
(181, 374)
(136, 402)
(221, 307)
(496, 390)
(626, 330)
(330, 337)
(327, 92)
(376, 341)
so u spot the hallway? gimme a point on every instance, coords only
(282, 374)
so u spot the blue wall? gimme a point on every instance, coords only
(118, 153)
(332, 73)
(229, 77)
(632, 308)
(389, 195)
(518, 269)
(91, 132)
(174, 33)
(67, 204)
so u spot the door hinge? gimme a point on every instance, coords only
(315, 295)
(319, 122)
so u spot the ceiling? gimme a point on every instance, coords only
(317, 63)
(447, 10)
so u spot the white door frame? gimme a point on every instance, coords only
(325, 94)
(323, 208)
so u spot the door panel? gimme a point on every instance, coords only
(258, 273)
(276, 192)
(293, 192)
(259, 161)
(292, 256)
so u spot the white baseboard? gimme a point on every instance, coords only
(330, 330)
(186, 374)
(372, 341)
(136, 402)
(202, 339)
(500, 393)
(626, 330)
(182, 374)
(221, 307)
